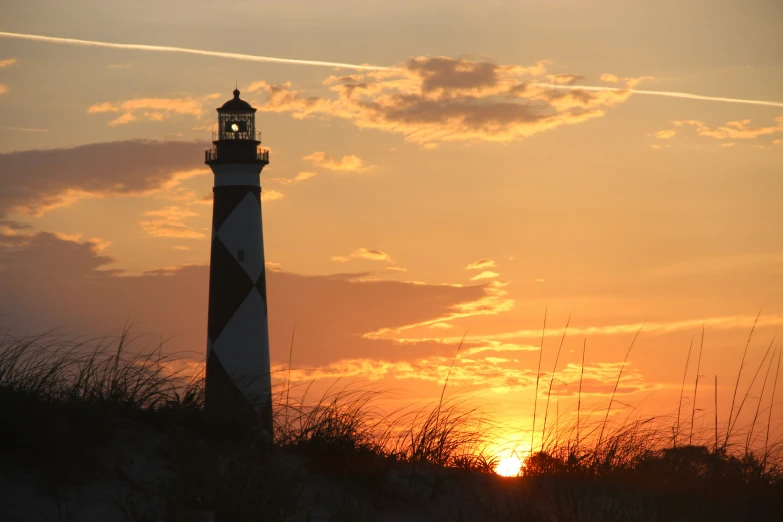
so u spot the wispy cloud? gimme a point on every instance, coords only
(271, 195)
(486, 274)
(349, 163)
(170, 222)
(152, 109)
(302, 176)
(481, 264)
(733, 130)
(665, 134)
(651, 328)
(185, 50)
(7, 62)
(749, 263)
(441, 326)
(364, 253)
(499, 374)
(494, 301)
(24, 129)
(668, 94)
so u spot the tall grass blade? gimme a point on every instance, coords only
(771, 405)
(579, 400)
(750, 386)
(552, 380)
(739, 374)
(538, 378)
(616, 384)
(715, 448)
(288, 377)
(696, 387)
(682, 390)
(758, 404)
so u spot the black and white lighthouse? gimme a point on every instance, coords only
(238, 382)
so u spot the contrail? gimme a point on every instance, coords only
(685, 95)
(318, 63)
(168, 49)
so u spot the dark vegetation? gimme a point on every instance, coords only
(65, 403)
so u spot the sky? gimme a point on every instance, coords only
(471, 169)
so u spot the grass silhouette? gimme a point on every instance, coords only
(63, 397)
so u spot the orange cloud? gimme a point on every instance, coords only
(348, 163)
(609, 78)
(99, 245)
(271, 195)
(10, 227)
(733, 130)
(152, 109)
(486, 274)
(499, 374)
(6, 63)
(494, 301)
(430, 100)
(565, 79)
(302, 176)
(481, 264)
(170, 222)
(36, 181)
(718, 323)
(364, 253)
(73, 238)
(666, 134)
(441, 326)
(75, 291)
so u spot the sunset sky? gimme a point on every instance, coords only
(463, 185)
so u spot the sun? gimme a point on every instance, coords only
(509, 467)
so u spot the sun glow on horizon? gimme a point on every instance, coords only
(509, 467)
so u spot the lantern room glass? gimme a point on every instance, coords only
(237, 126)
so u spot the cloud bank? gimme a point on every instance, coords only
(441, 99)
(35, 181)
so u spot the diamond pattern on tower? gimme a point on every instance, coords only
(241, 231)
(238, 372)
(240, 349)
(229, 285)
(226, 199)
(223, 401)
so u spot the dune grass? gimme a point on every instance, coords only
(60, 396)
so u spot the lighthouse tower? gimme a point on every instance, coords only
(238, 382)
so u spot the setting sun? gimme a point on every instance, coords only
(522, 255)
(509, 467)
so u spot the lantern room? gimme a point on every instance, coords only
(235, 140)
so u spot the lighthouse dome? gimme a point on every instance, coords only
(236, 104)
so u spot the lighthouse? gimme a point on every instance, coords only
(238, 382)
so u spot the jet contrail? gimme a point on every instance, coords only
(685, 95)
(317, 63)
(168, 49)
